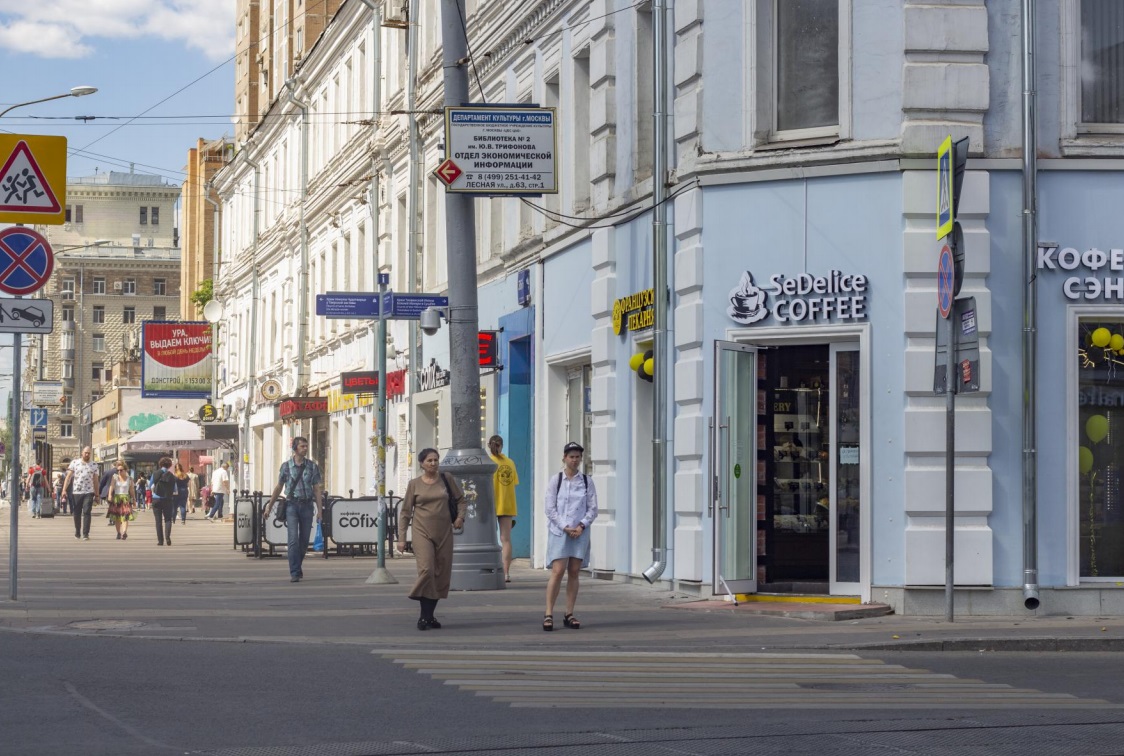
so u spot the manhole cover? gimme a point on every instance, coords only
(106, 625)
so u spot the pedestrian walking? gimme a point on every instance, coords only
(122, 501)
(504, 481)
(426, 506)
(192, 490)
(182, 491)
(163, 486)
(56, 484)
(105, 492)
(142, 491)
(220, 489)
(302, 483)
(36, 483)
(571, 507)
(81, 477)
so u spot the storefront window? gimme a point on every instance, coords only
(1100, 400)
(580, 415)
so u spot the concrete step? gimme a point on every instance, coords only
(792, 606)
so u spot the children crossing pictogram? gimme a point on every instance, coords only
(23, 188)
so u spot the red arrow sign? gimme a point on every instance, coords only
(448, 172)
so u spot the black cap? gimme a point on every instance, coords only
(572, 447)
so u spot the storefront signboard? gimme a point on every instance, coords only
(801, 299)
(500, 149)
(341, 400)
(432, 376)
(303, 407)
(1089, 283)
(636, 312)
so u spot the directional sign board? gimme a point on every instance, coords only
(501, 149)
(26, 261)
(27, 316)
(448, 172)
(946, 281)
(410, 306)
(32, 179)
(38, 417)
(347, 304)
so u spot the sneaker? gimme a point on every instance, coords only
(85, 538)
(77, 537)
(295, 579)
(169, 541)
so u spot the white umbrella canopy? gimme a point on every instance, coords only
(173, 433)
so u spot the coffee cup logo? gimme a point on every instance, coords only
(747, 301)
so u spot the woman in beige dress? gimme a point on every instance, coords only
(426, 507)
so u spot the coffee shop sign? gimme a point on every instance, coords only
(1087, 287)
(803, 298)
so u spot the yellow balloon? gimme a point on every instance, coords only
(1096, 428)
(650, 366)
(1101, 337)
(1085, 459)
(636, 360)
(1116, 343)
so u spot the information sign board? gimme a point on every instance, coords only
(410, 306)
(501, 149)
(347, 304)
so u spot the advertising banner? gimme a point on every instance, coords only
(177, 359)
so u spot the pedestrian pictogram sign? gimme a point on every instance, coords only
(448, 172)
(26, 261)
(945, 209)
(32, 179)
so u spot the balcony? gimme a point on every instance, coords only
(65, 412)
(66, 325)
(67, 354)
(68, 384)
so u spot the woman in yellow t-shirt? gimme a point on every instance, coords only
(504, 482)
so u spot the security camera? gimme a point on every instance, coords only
(430, 321)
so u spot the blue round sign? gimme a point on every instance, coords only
(946, 281)
(26, 261)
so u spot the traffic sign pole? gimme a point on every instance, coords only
(14, 488)
(949, 467)
(381, 575)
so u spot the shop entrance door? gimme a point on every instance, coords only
(734, 462)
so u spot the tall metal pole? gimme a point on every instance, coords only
(477, 563)
(303, 371)
(950, 462)
(413, 208)
(13, 540)
(381, 575)
(252, 347)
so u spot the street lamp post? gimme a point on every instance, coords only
(13, 550)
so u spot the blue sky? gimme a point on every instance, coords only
(138, 53)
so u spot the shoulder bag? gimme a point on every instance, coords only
(452, 499)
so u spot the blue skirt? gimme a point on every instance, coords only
(564, 547)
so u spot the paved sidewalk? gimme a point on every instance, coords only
(201, 589)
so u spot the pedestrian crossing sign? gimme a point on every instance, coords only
(944, 189)
(32, 179)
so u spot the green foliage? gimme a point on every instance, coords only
(204, 294)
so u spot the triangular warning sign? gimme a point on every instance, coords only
(22, 185)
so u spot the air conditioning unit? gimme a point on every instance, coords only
(117, 286)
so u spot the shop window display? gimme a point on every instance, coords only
(1100, 402)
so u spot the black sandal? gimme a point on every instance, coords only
(571, 622)
(547, 623)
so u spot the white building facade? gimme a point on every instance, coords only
(806, 443)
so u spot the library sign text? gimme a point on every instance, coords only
(803, 298)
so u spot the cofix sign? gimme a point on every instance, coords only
(303, 407)
(359, 382)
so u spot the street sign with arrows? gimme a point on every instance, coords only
(448, 172)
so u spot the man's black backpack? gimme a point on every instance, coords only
(165, 486)
(37, 479)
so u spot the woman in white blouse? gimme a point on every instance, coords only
(571, 507)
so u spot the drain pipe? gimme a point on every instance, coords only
(661, 379)
(252, 347)
(414, 178)
(1030, 310)
(302, 273)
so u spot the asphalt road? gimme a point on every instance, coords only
(128, 648)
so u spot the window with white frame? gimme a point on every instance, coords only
(129, 315)
(98, 341)
(99, 314)
(99, 285)
(159, 286)
(1102, 63)
(66, 430)
(128, 286)
(802, 69)
(67, 285)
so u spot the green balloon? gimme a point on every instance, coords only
(1085, 459)
(1096, 428)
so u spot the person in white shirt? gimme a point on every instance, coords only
(571, 507)
(220, 489)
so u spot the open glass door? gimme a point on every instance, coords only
(734, 468)
(846, 467)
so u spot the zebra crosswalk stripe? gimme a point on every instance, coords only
(699, 680)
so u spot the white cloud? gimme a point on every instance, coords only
(71, 28)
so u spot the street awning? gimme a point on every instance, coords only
(173, 434)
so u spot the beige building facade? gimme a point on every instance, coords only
(197, 216)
